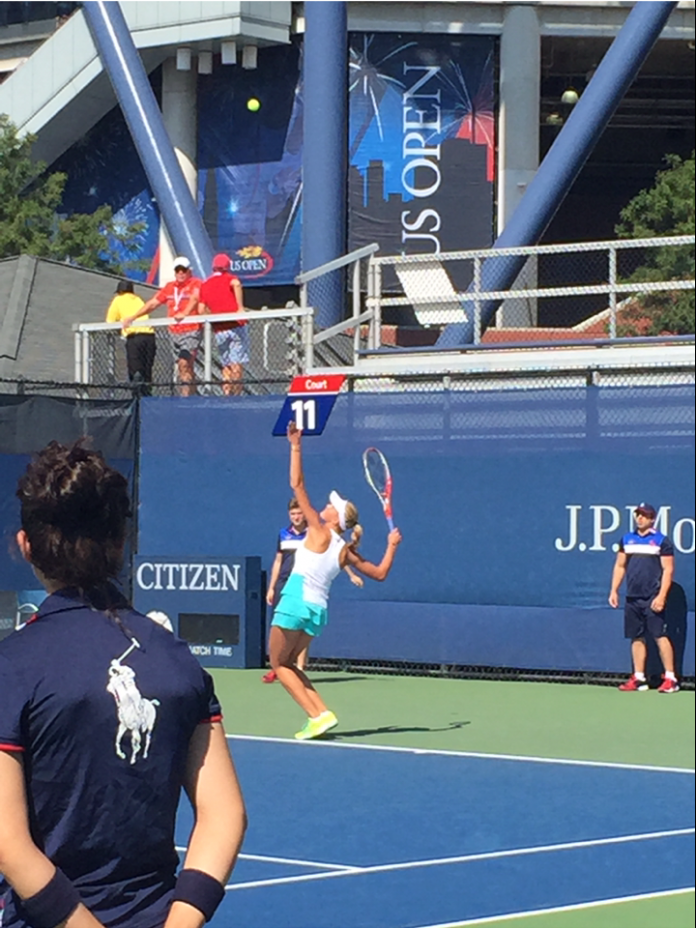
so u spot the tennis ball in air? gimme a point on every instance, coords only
(253, 104)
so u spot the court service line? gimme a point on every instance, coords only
(464, 858)
(596, 903)
(477, 754)
(285, 860)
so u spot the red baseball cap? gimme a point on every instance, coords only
(221, 263)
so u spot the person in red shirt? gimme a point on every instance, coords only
(222, 293)
(181, 297)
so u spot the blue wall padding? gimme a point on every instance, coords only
(522, 637)
(483, 482)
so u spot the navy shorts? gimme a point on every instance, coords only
(639, 618)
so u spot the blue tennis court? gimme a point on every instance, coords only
(348, 836)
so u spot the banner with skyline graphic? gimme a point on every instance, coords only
(422, 142)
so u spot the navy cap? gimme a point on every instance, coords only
(645, 509)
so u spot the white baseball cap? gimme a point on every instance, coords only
(340, 506)
(182, 262)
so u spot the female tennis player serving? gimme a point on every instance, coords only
(104, 716)
(301, 612)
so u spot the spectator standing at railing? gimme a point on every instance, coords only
(181, 298)
(222, 293)
(140, 339)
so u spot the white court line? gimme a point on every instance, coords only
(302, 863)
(465, 858)
(285, 860)
(516, 757)
(564, 908)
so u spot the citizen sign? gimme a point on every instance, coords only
(203, 578)
(600, 527)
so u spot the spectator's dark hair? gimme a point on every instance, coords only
(74, 510)
(124, 286)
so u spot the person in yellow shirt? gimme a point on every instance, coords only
(140, 338)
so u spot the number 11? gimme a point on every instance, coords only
(299, 408)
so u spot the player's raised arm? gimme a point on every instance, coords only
(297, 483)
(375, 571)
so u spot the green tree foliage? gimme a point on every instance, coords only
(666, 208)
(30, 220)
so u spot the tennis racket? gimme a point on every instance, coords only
(379, 477)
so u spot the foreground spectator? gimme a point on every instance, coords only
(104, 717)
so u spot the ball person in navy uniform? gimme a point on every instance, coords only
(104, 717)
(646, 559)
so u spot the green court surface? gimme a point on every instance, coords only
(561, 721)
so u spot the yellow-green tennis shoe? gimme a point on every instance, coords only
(314, 728)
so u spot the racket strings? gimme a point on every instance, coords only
(377, 472)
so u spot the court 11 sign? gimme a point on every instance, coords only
(309, 403)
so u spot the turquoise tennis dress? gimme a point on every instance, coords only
(305, 597)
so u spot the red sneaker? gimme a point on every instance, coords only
(668, 686)
(633, 685)
(270, 677)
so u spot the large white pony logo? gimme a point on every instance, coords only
(136, 715)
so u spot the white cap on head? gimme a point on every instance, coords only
(180, 261)
(339, 505)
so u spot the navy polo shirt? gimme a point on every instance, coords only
(289, 540)
(102, 712)
(643, 566)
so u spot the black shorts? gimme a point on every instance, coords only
(639, 618)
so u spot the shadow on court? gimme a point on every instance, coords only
(390, 730)
(347, 679)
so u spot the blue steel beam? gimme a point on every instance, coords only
(324, 152)
(122, 63)
(565, 158)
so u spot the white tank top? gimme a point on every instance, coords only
(318, 570)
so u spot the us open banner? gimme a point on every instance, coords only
(422, 142)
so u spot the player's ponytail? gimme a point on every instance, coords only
(353, 523)
(356, 535)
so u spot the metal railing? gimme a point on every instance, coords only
(281, 340)
(354, 261)
(444, 288)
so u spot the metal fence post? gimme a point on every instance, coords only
(77, 338)
(208, 355)
(369, 302)
(356, 310)
(612, 291)
(477, 300)
(307, 330)
(378, 307)
(86, 366)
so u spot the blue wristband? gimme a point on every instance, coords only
(200, 890)
(52, 905)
